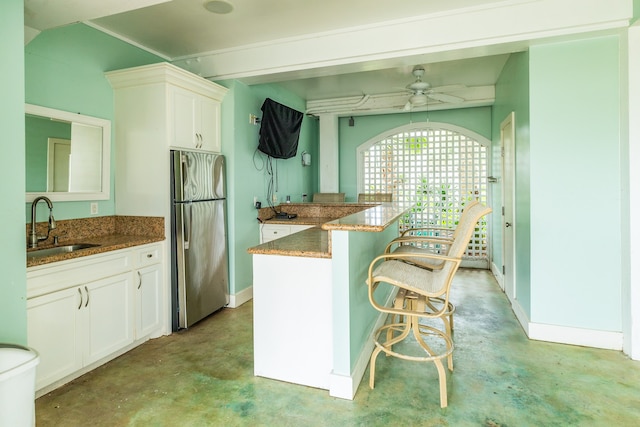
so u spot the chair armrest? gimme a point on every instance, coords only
(408, 256)
(417, 239)
(428, 229)
(402, 279)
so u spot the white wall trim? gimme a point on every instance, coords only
(497, 273)
(575, 336)
(631, 295)
(521, 315)
(436, 35)
(236, 300)
(345, 387)
(563, 334)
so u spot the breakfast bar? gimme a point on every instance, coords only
(312, 318)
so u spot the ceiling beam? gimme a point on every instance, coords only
(494, 28)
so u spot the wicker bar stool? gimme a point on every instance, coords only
(416, 288)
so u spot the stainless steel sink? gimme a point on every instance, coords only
(39, 253)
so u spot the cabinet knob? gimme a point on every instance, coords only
(149, 255)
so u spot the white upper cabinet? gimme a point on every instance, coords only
(180, 109)
(196, 121)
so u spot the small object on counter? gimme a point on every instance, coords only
(304, 197)
(288, 199)
(284, 215)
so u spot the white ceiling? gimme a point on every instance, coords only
(181, 29)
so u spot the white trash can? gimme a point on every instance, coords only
(17, 385)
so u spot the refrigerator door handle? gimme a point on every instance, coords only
(185, 168)
(187, 224)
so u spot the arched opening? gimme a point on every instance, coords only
(438, 168)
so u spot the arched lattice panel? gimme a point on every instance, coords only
(438, 169)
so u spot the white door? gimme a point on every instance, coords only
(58, 154)
(507, 138)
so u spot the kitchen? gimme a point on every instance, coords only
(62, 71)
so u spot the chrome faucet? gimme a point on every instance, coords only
(33, 236)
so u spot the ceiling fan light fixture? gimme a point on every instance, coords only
(220, 7)
(418, 99)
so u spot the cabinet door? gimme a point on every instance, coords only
(148, 300)
(185, 119)
(107, 316)
(54, 331)
(210, 124)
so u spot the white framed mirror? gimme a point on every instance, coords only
(67, 155)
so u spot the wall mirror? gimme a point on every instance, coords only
(67, 155)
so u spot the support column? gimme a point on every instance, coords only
(329, 150)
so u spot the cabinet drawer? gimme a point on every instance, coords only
(147, 255)
(272, 232)
(65, 274)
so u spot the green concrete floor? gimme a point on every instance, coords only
(204, 377)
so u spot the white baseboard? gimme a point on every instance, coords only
(497, 273)
(522, 317)
(236, 300)
(562, 334)
(575, 336)
(345, 387)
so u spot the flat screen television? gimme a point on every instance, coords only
(279, 130)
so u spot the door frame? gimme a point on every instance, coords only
(507, 154)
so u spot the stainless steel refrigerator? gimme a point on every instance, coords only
(199, 240)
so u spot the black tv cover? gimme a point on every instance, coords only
(279, 130)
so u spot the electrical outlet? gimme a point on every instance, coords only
(94, 208)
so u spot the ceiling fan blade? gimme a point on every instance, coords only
(448, 88)
(443, 97)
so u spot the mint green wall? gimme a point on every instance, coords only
(64, 69)
(245, 170)
(37, 133)
(366, 127)
(13, 306)
(512, 94)
(353, 315)
(575, 184)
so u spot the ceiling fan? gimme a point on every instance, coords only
(421, 91)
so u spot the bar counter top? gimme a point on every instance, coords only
(316, 242)
(312, 243)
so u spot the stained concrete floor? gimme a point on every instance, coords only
(204, 377)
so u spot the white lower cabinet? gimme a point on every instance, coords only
(85, 311)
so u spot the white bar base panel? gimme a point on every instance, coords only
(346, 386)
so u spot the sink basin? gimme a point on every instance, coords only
(38, 253)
